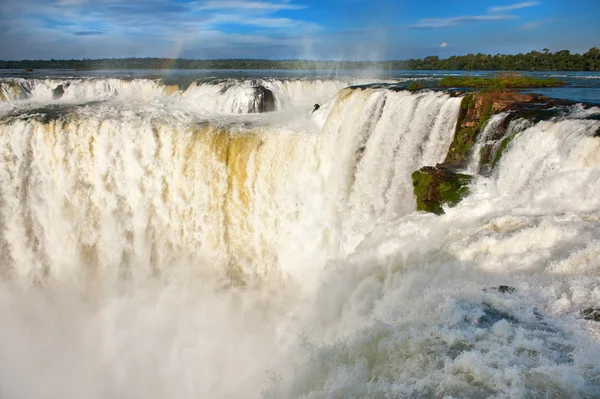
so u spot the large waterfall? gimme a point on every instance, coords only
(161, 241)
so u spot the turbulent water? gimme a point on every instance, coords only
(167, 242)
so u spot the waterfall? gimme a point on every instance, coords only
(237, 195)
(419, 311)
(490, 130)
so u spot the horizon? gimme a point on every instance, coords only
(349, 30)
(274, 60)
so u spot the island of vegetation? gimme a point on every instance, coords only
(499, 81)
(533, 61)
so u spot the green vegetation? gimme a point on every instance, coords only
(435, 187)
(421, 183)
(545, 60)
(465, 136)
(499, 82)
(414, 86)
(533, 61)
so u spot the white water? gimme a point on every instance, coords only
(488, 131)
(492, 136)
(224, 96)
(128, 229)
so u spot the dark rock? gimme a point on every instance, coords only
(505, 289)
(59, 91)
(456, 93)
(438, 186)
(591, 314)
(265, 100)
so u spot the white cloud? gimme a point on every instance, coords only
(444, 45)
(438, 23)
(247, 5)
(515, 6)
(262, 22)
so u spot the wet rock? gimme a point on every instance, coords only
(265, 100)
(505, 289)
(475, 110)
(592, 314)
(435, 186)
(456, 93)
(59, 91)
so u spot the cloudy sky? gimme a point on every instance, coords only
(308, 29)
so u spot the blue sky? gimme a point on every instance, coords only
(307, 29)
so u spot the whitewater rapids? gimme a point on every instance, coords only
(161, 242)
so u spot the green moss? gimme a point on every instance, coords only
(434, 191)
(465, 138)
(453, 191)
(467, 102)
(421, 184)
(414, 86)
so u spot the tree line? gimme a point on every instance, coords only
(533, 61)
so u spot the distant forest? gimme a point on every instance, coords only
(533, 61)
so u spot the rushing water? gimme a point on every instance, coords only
(163, 241)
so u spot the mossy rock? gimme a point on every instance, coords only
(468, 127)
(437, 186)
(477, 108)
(414, 86)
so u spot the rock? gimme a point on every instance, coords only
(505, 289)
(592, 314)
(265, 100)
(435, 186)
(414, 86)
(59, 91)
(475, 110)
